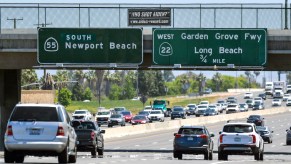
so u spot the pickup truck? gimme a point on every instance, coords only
(90, 138)
(102, 117)
(82, 114)
(240, 139)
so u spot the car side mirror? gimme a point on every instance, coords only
(102, 131)
(272, 131)
(220, 132)
(212, 135)
(175, 134)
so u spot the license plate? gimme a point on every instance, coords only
(190, 138)
(34, 132)
(237, 139)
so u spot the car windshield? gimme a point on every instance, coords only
(221, 101)
(249, 101)
(237, 128)
(254, 117)
(118, 109)
(155, 112)
(202, 106)
(125, 113)
(80, 112)
(261, 128)
(103, 113)
(191, 106)
(116, 116)
(276, 100)
(143, 113)
(48, 114)
(231, 106)
(203, 102)
(178, 109)
(241, 105)
(193, 131)
(138, 117)
(156, 102)
(209, 110)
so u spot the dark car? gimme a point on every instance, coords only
(265, 133)
(116, 119)
(139, 119)
(210, 112)
(90, 138)
(258, 105)
(258, 120)
(178, 112)
(263, 95)
(144, 113)
(191, 108)
(193, 140)
(168, 112)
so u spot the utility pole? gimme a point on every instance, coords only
(14, 21)
(286, 15)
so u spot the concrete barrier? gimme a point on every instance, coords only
(243, 90)
(175, 124)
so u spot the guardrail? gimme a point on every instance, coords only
(175, 124)
(94, 15)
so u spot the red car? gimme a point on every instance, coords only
(127, 115)
(140, 119)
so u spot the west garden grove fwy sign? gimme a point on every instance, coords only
(89, 46)
(209, 47)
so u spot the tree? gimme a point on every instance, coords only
(28, 76)
(257, 73)
(64, 97)
(248, 74)
(115, 92)
(87, 95)
(168, 75)
(201, 79)
(217, 79)
(77, 92)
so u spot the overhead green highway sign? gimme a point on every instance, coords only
(90, 46)
(209, 47)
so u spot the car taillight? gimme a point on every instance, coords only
(9, 131)
(254, 138)
(60, 131)
(204, 136)
(92, 135)
(178, 135)
(221, 138)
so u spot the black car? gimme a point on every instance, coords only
(263, 95)
(193, 140)
(210, 112)
(90, 138)
(178, 112)
(265, 133)
(191, 109)
(258, 120)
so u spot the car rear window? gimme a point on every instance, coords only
(237, 128)
(194, 131)
(48, 114)
(86, 125)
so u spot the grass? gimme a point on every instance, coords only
(134, 105)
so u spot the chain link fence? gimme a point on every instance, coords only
(31, 16)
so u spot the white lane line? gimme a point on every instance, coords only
(116, 148)
(154, 143)
(281, 125)
(163, 148)
(282, 143)
(277, 134)
(273, 146)
(243, 161)
(171, 140)
(136, 145)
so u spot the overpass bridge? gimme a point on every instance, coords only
(18, 39)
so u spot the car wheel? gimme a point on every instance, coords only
(100, 152)
(206, 155)
(172, 118)
(63, 157)
(99, 125)
(288, 143)
(257, 156)
(73, 158)
(210, 155)
(93, 151)
(19, 158)
(8, 156)
(180, 156)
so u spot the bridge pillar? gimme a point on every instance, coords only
(10, 92)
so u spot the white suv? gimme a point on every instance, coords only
(82, 114)
(240, 139)
(40, 130)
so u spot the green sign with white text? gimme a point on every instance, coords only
(90, 46)
(209, 47)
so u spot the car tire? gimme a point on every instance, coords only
(180, 156)
(109, 126)
(63, 157)
(172, 118)
(210, 157)
(99, 125)
(73, 158)
(257, 156)
(19, 158)
(288, 143)
(220, 156)
(261, 158)
(93, 151)
(100, 152)
(8, 156)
